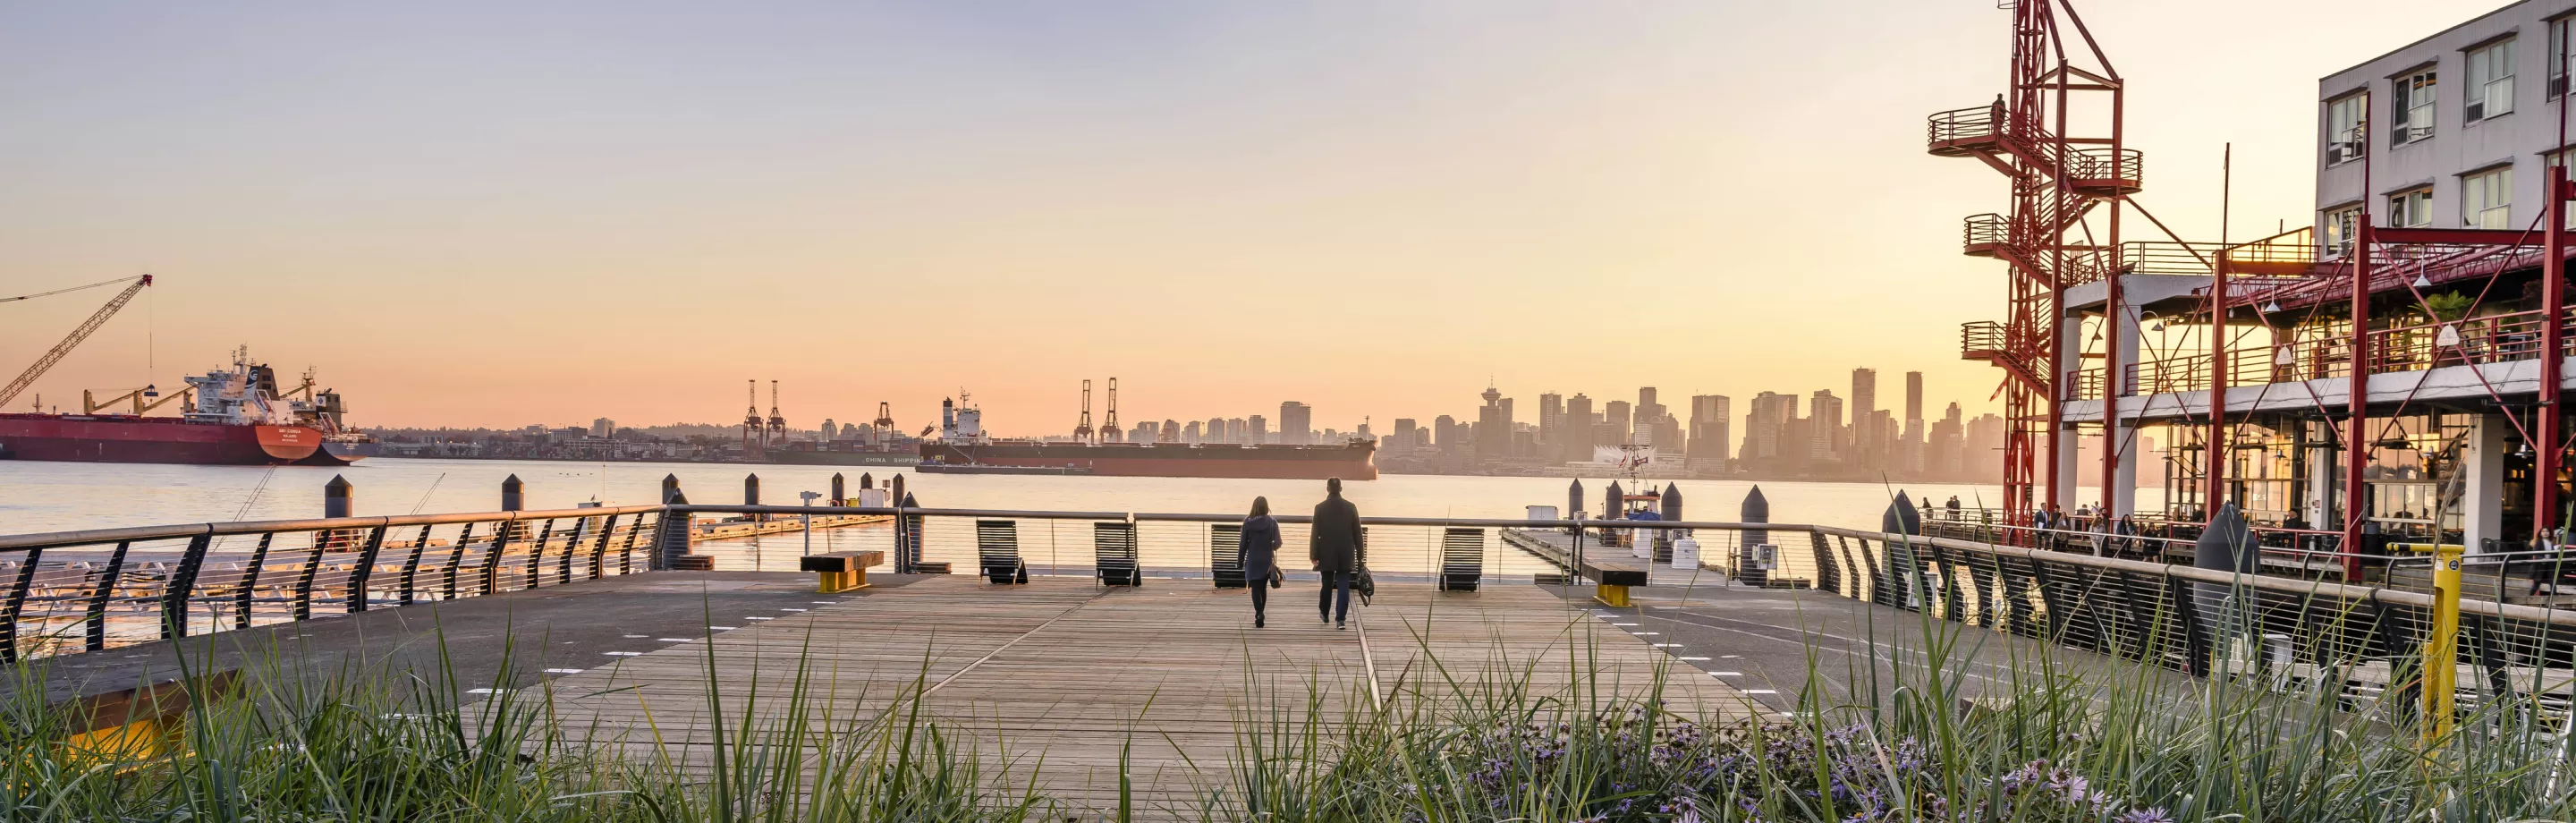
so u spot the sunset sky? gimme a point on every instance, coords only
(494, 214)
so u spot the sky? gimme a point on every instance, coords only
(495, 214)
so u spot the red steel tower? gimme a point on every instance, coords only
(2056, 180)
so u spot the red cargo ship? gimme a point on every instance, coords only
(116, 438)
(235, 417)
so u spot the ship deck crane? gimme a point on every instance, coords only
(73, 340)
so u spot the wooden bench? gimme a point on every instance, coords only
(1462, 559)
(997, 550)
(1612, 574)
(1113, 547)
(1225, 556)
(841, 571)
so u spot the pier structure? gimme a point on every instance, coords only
(2387, 373)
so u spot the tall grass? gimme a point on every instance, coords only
(1929, 734)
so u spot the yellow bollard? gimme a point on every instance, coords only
(2442, 641)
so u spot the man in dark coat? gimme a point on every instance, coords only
(1334, 546)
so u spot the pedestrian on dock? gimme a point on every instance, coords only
(1334, 545)
(1260, 542)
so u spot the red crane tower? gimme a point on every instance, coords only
(884, 424)
(2057, 179)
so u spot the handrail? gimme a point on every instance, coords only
(47, 540)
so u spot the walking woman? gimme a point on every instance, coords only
(1260, 545)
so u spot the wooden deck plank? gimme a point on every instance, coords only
(1076, 677)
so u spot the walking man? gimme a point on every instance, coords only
(1334, 547)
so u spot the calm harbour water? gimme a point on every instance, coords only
(47, 496)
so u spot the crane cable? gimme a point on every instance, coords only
(63, 291)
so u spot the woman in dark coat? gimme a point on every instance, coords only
(1260, 544)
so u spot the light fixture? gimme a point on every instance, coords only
(2272, 307)
(2421, 283)
(2159, 326)
(2522, 449)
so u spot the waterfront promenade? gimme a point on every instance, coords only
(1058, 682)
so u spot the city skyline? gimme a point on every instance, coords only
(773, 217)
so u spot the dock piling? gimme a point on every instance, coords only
(513, 496)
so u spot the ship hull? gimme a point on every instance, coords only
(1354, 462)
(797, 457)
(123, 439)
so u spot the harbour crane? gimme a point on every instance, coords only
(753, 431)
(1109, 427)
(884, 424)
(1082, 431)
(777, 424)
(56, 354)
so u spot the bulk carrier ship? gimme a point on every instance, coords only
(229, 417)
(962, 447)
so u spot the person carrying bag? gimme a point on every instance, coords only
(1260, 546)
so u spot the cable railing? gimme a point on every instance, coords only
(2124, 593)
(90, 590)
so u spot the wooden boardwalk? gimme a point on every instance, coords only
(1058, 680)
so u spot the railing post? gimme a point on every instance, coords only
(2195, 637)
(411, 565)
(626, 547)
(492, 562)
(16, 604)
(250, 581)
(366, 570)
(183, 582)
(537, 552)
(456, 561)
(312, 566)
(96, 622)
(598, 552)
(572, 549)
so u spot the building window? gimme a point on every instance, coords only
(2414, 111)
(2347, 128)
(2341, 226)
(2486, 198)
(2490, 82)
(2411, 209)
(2558, 57)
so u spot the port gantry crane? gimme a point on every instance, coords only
(777, 424)
(1082, 430)
(755, 433)
(1109, 426)
(2057, 180)
(73, 340)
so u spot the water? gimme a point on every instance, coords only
(46, 496)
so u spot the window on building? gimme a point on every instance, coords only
(2347, 127)
(2490, 92)
(2413, 118)
(2558, 57)
(2411, 209)
(2486, 199)
(2341, 226)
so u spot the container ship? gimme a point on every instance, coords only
(239, 416)
(963, 447)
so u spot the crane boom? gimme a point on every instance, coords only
(56, 354)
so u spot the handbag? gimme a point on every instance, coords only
(1276, 578)
(1366, 586)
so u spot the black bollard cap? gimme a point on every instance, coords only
(2227, 545)
(1901, 518)
(511, 483)
(1756, 509)
(338, 487)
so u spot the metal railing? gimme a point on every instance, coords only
(2360, 642)
(2481, 340)
(1944, 129)
(2117, 169)
(89, 590)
